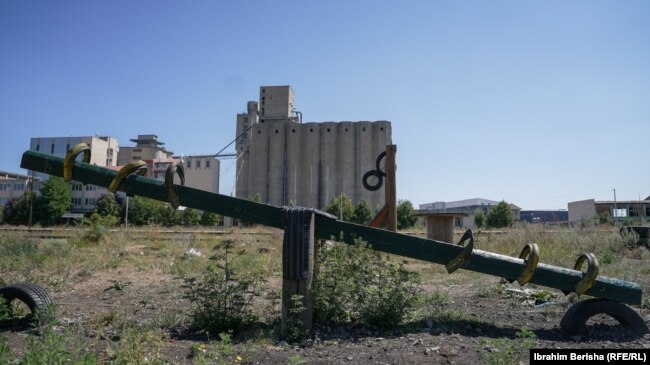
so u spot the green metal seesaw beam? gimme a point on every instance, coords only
(325, 227)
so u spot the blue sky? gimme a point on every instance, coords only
(535, 102)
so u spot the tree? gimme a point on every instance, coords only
(16, 211)
(209, 219)
(55, 200)
(479, 218)
(341, 207)
(499, 216)
(362, 213)
(405, 214)
(107, 206)
(190, 217)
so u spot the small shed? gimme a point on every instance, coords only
(440, 225)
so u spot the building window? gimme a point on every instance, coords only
(38, 147)
(198, 164)
(633, 212)
(67, 147)
(189, 164)
(207, 164)
(52, 149)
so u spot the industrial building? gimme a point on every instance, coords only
(288, 162)
(585, 211)
(464, 210)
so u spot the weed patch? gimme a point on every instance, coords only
(223, 297)
(356, 283)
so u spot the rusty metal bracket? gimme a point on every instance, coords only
(138, 167)
(71, 155)
(172, 197)
(457, 262)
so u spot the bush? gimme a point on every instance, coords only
(107, 206)
(355, 283)
(222, 298)
(98, 226)
(209, 219)
(190, 217)
(16, 211)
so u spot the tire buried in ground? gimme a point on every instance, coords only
(575, 319)
(36, 298)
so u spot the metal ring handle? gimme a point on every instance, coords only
(457, 262)
(592, 272)
(138, 167)
(172, 197)
(530, 254)
(71, 155)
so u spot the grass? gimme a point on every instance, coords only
(144, 308)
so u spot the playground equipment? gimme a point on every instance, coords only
(302, 226)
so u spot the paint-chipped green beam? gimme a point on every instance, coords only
(325, 227)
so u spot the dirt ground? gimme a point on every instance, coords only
(476, 327)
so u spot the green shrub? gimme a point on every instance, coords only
(223, 298)
(99, 225)
(405, 214)
(209, 219)
(356, 283)
(341, 206)
(362, 213)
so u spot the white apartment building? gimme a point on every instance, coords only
(103, 152)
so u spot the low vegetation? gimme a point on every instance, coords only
(215, 298)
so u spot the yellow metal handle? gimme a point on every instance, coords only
(139, 167)
(592, 272)
(457, 262)
(530, 254)
(169, 183)
(71, 155)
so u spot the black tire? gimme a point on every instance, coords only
(367, 175)
(36, 298)
(575, 319)
(378, 164)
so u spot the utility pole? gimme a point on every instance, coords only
(31, 200)
(126, 215)
(614, 216)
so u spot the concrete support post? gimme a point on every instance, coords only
(298, 256)
(391, 187)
